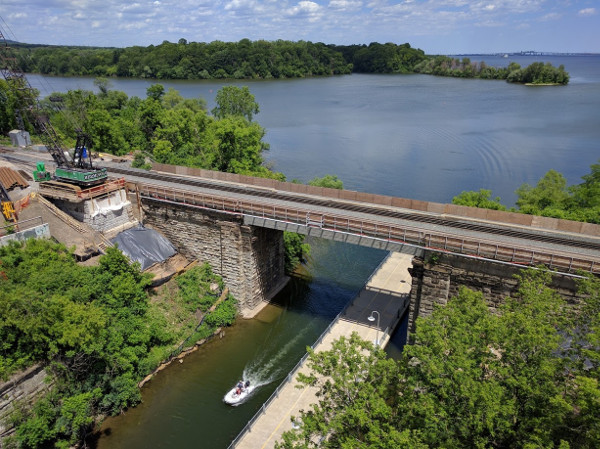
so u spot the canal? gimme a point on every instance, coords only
(182, 406)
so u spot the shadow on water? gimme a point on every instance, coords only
(183, 405)
(398, 339)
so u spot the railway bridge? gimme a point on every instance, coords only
(452, 245)
(236, 222)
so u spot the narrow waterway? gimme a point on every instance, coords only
(182, 406)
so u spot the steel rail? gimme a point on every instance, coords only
(415, 216)
(483, 248)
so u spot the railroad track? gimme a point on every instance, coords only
(305, 202)
(416, 216)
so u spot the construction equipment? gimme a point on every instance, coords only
(8, 208)
(76, 169)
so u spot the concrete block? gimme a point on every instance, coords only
(20, 138)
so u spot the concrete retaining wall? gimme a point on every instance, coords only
(23, 388)
(38, 232)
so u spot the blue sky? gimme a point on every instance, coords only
(436, 26)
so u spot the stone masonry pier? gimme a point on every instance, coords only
(438, 277)
(250, 259)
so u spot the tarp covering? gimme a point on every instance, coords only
(145, 246)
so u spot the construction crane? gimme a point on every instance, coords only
(76, 169)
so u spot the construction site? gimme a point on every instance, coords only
(76, 203)
(86, 220)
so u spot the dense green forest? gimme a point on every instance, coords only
(525, 375)
(97, 331)
(264, 60)
(550, 197)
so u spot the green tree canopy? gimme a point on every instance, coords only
(235, 101)
(482, 198)
(329, 181)
(94, 330)
(473, 378)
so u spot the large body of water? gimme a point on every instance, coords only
(412, 136)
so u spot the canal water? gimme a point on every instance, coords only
(411, 136)
(183, 405)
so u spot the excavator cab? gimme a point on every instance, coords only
(40, 174)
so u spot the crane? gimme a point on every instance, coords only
(78, 168)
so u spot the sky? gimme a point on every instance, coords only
(435, 26)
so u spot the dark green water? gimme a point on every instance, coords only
(182, 406)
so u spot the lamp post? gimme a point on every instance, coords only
(372, 318)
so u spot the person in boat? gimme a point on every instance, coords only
(239, 387)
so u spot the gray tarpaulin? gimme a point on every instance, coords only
(145, 246)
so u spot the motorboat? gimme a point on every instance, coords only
(238, 395)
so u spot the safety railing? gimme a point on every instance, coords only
(109, 186)
(22, 225)
(450, 210)
(393, 233)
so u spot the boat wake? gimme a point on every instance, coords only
(267, 367)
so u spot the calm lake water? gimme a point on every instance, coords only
(412, 136)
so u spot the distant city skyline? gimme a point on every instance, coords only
(435, 26)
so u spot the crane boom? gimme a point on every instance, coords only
(78, 169)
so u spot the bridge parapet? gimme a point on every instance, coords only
(383, 234)
(463, 212)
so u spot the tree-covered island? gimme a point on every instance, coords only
(265, 60)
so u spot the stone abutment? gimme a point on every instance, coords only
(438, 277)
(250, 259)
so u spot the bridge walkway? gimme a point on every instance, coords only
(387, 293)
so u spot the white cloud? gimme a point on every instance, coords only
(550, 16)
(240, 4)
(345, 5)
(305, 9)
(17, 15)
(587, 12)
(427, 24)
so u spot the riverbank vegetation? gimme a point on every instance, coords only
(167, 128)
(525, 375)
(95, 329)
(550, 197)
(164, 126)
(265, 60)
